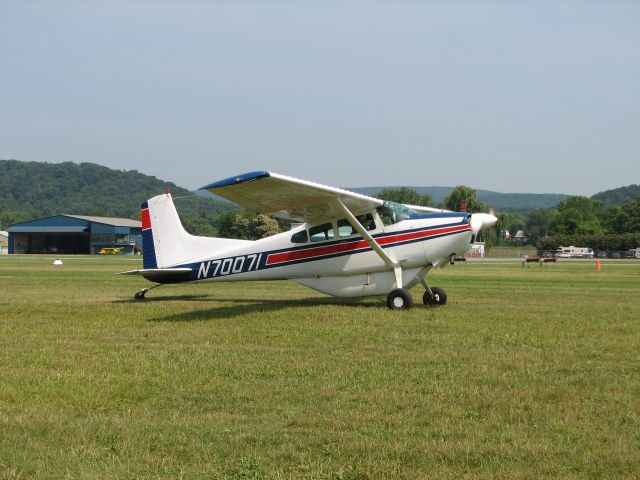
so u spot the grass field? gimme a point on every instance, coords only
(526, 373)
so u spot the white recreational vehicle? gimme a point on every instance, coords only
(633, 253)
(574, 252)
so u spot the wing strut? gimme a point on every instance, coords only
(390, 262)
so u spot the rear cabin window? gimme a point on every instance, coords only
(345, 229)
(321, 233)
(300, 237)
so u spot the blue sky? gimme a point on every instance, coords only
(507, 96)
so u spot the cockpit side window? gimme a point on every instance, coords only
(367, 221)
(391, 212)
(386, 216)
(321, 233)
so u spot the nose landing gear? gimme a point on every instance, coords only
(435, 298)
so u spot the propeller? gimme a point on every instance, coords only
(481, 220)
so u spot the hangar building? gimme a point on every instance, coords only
(76, 234)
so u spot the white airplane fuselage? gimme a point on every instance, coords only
(344, 266)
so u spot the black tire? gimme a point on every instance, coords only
(399, 299)
(438, 298)
(139, 296)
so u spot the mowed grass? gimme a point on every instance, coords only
(526, 373)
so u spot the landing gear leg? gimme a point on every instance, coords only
(140, 295)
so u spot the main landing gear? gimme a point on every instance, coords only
(400, 299)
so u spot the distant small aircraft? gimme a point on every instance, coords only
(347, 244)
(110, 251)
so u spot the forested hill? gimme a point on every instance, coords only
(618, 196)
(522, 203)
(36, 189)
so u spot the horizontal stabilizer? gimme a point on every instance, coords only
(158, 271)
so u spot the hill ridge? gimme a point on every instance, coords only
(41, 189)
(522, 203)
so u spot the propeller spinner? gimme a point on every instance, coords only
(481, 220)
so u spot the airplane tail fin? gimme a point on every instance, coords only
(148, 247)
(165, 242)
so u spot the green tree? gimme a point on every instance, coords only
(510, 222)
(240, 227)
(626, 218)
(579, 215)
(404, 195)
(263, 226)
(538, 223)
(460, 194)
(247, 225)
(224, 224)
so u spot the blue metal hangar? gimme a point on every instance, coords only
(76, 234)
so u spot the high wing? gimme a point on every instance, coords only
(290, 198)
(421, 209)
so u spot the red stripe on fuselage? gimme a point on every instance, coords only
(309, 253)
(314, 252)
(146, 220)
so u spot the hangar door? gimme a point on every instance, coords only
(62, 240)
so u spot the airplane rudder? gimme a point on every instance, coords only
(148, 247)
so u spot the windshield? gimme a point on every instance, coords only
(391, 212)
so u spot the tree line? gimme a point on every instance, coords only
(576, 220)
(30, 190)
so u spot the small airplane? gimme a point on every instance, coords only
(346, 244)
(110, 251)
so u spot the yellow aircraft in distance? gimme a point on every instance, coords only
(110, 251)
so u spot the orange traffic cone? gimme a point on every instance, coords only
(597, 265)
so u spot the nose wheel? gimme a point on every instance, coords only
(434, 297)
